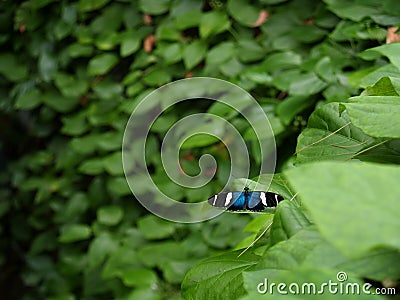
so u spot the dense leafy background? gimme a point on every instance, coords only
(72, 72)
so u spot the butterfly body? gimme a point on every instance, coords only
(246, 200)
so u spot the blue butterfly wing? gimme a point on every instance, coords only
(254, 202)
(239, 201)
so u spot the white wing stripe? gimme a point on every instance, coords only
(215, 200)
(276, 199)
(263, 199)
(228, 198)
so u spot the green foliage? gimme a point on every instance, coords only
(73, 71)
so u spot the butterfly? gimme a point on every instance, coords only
(246, 200)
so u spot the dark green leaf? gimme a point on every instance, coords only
(153, 227)
(351, 10)
(28, 100)
(154, 7)
(188, 19)
(47, 65)
(118, 186)
(110, 215)
(159, 254)
(291, 106)
(220, 53)
(93, 166)
(281, 60)
(89, 5)
(243, 12)
(212, 23)
(74, 233)
(70, 86)
(157, 78)
(389, 50)
(107, 89)
(58, 102)
(102, 63)
(11, 68)
(139, 278)
(194, 53)
(100, 248)
(250, 50)
(306, 84)
(384, 87)
(130, 43)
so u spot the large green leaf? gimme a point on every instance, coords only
(288, 220)
(377, 265)
(330, 136)
(292, 252)
(307, 247)
(218, 277)
(353, 205)
(371, 115)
